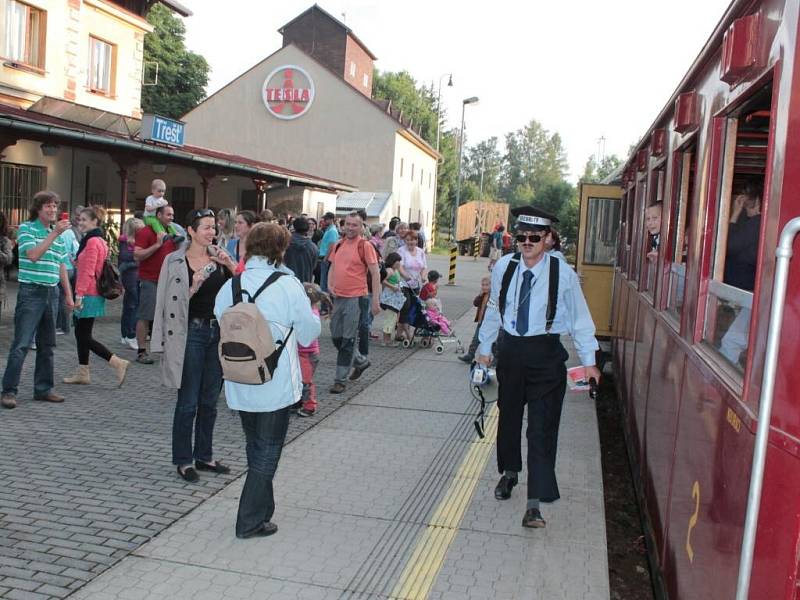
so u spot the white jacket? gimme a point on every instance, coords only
(284, 304)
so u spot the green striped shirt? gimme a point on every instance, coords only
(45, 271)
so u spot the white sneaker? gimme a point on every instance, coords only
(60, 332)
(132, 343)
(123, 341)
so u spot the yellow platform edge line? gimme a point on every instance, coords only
(430, 551)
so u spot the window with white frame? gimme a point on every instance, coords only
(352, 69)
(366, 80)
(25, 34)
(101, 66)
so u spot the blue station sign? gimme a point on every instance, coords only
(162, 129)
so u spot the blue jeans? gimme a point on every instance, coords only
(34, 315)
(364, 324)
(324, 267)
(130, 302)
(201, 383)
(265, 433)
(62, 319)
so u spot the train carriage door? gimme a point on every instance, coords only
(597, 250)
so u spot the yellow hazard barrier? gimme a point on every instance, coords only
(451, 276)
(476, 248)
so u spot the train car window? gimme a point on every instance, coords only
(679, 230)
(730, 297)
(637, 227)
(622, 233)
(602, 221)
(652, 228)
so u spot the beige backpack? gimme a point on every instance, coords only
(246, 349)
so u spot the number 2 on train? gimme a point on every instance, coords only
(693, 520)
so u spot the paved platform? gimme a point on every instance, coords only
(387, 492)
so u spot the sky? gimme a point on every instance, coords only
(587, 69)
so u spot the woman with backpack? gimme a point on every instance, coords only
(186, 331)
(284, 308)
(89, 304)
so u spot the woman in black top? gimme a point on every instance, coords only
(187, 333)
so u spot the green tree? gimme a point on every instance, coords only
(417, 104)
(560, 199)
(534, 158)
(484, 162)
(182, 75)
(595, 171)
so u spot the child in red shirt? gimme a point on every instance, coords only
(430, 289)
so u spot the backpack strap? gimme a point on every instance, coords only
(270, 280)
(552, 293)
(272, 360)
(236, 289)
(510, 268)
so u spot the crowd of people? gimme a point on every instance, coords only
(179, 281)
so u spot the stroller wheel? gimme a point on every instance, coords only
(425, 343)
(407, 343)
(439, 349)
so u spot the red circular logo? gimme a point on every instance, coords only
(288, 92)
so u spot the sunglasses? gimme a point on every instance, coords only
(533, 237)
(201, 213)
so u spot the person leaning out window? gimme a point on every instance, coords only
(186, 332)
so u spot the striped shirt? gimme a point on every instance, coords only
(46, 270)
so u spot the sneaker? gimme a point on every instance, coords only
(32, 346)
(337, 388)
(132, 343)
(60, 332)
(305, 413)
(8, 400)
(145, 359)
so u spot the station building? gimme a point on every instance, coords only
(71, 75)
(309, 106)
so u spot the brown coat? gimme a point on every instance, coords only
(172, 317)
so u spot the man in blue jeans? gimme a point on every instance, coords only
(331, 236)
(42, 266)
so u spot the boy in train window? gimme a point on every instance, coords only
(652, 222)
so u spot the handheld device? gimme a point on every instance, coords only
(63, 216)
(212, 250)
(209, 269)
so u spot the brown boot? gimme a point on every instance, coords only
(81, 376)
(120, 367)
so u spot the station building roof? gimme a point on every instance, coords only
(102, 131)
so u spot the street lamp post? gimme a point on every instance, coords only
(434, 223)
(470, 100)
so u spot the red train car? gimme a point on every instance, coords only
(692, 307)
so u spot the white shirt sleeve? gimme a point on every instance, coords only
(490, 327)
(579, 321)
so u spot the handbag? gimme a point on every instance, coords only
(109, 284)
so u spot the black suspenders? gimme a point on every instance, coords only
(552, 289)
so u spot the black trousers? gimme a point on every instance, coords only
(531, 371)
(86, 343)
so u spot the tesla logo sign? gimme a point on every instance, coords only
(288, 92)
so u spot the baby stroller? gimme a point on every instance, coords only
(429, 333)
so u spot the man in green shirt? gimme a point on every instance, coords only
(42, 266)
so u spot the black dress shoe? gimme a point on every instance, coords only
(217, 467)
(263, 530)
(504, 487)
(358, 370)
(533, 519)
(188, 474)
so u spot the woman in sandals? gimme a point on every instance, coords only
(89, 304)
(186, 331)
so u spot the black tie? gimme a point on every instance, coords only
(525, 303)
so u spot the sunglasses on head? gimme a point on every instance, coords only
(533, 237)
(201, 213)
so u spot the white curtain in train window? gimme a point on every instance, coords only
(602, 221)
(100, 67)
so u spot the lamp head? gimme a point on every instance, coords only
(471, 100)
(450, 81)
